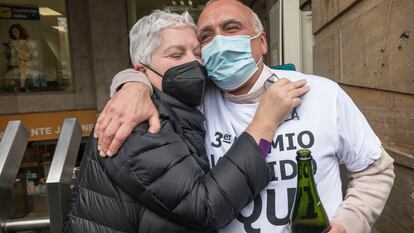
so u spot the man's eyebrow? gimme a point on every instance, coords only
(229, 21)
(208, 28)
(205, 29)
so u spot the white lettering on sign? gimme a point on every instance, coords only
(57, 131)
(41, 131)
(35, 132)
(87, 127)
(48, 130)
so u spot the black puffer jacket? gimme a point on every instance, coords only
(161, 183)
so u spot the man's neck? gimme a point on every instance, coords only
(249, 84)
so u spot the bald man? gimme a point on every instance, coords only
(327, 122)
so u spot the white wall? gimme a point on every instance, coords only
(307, 42)
(291, 33)
(275, 35)
(291, 38)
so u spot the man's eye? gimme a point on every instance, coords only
(231, 27)
(205, 37)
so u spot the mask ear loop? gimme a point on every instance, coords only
(148, 67)
(254, 37)
(260, 60)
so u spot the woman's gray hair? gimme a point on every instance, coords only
(145, 34)
(257, 24)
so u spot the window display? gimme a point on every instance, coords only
(35, 48)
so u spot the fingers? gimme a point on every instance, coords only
(106, 139)
(296, 102)
(154, 123)
(121, 135)
(289, 85)
(285, 87)
(126, 109)
(116, 134)
(299, 83)
(294, 85)
(104, 122)
(297, 92)
(284, 94)
(282, 82)
(103, 119)
(102, 116)
(97, 127)
(101, 124)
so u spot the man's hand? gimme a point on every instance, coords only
(129, 107)
(336, 228)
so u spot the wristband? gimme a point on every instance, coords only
(264, 146)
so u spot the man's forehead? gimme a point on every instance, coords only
(218, 12)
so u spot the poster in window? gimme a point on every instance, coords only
(19, 37)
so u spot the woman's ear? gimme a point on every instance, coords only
(139, 67)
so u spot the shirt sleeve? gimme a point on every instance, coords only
(366, 196)
(128, 75)
(358, 146)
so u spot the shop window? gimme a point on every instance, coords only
(29, 194)
(138, 9)
(34, 50)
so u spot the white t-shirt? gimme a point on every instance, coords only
(327, 122)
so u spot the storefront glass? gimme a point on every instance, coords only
(34, 50)
(138, 9)
(29, 193)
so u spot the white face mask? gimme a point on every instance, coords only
(229, 60)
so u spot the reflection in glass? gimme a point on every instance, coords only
(34, 55)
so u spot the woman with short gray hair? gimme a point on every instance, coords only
(162, 183)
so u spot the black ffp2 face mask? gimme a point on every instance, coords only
(185, 82)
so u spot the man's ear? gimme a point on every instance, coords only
(263, 42)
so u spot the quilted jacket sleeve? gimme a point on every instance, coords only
(159, 171)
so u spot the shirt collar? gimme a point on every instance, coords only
(253, 96)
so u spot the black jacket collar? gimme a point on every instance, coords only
(183, 115)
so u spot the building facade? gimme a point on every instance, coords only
(368, 48)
